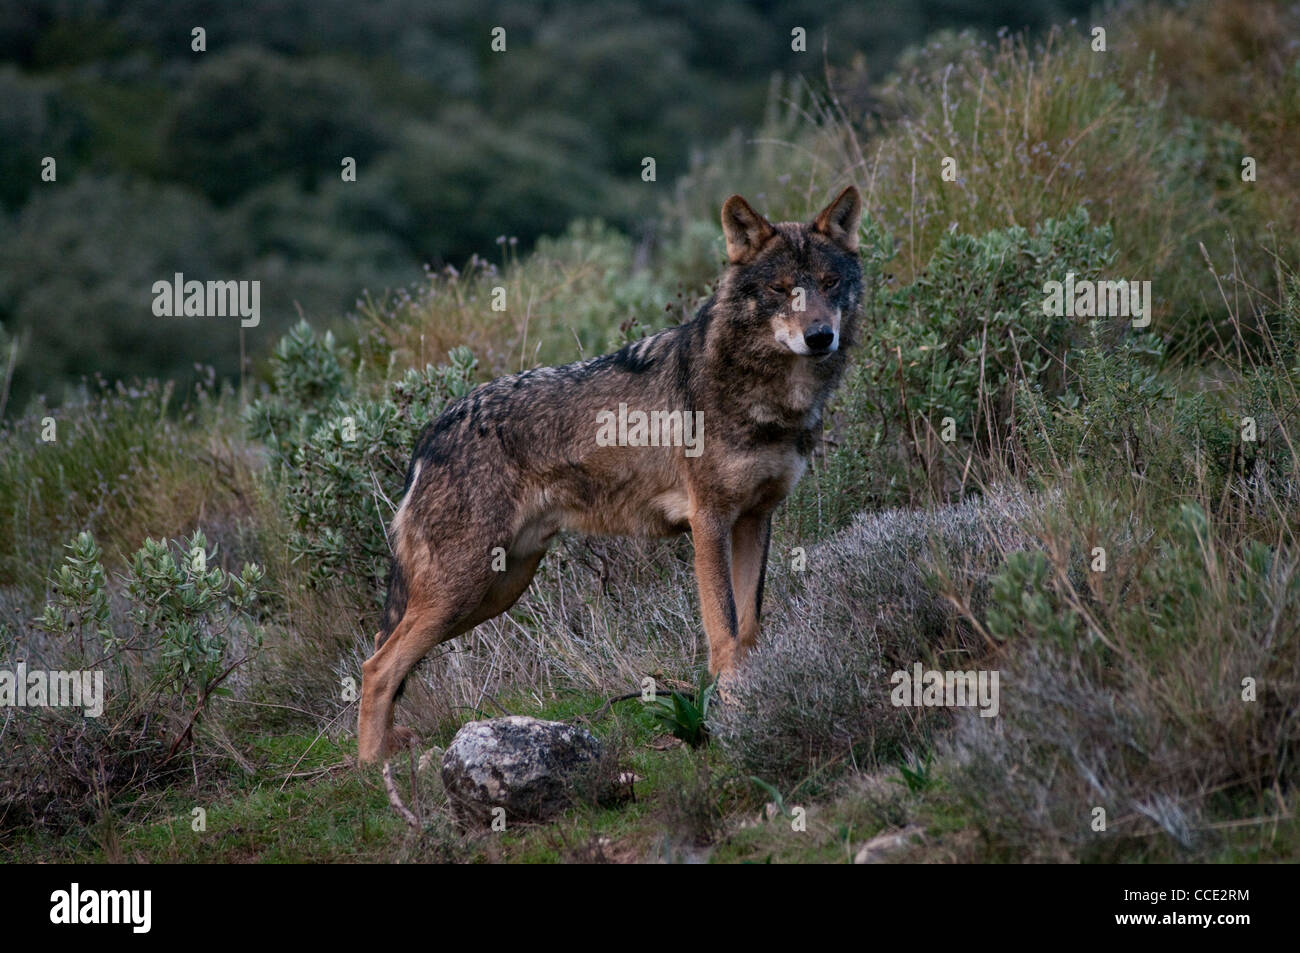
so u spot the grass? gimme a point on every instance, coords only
(121, 464)
(303, 802)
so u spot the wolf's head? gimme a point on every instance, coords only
(794, 288)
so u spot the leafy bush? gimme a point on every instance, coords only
(339, 461)
(186, 628)
(80, 596)
(954, 344)
(1161, 690)
(972, 325)
(185, 617)
(1022, 606)
(188, 610)
(307, 379)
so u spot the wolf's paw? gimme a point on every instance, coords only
(727, 697)
(725, 692)
(398, 739)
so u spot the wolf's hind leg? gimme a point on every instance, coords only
(423, 626)
(433, 615)
(506, 588)
(435, 610)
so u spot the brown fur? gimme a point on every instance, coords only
(518, 460)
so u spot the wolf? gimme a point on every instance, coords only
(517, 460)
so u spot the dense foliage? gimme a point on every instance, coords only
(226, 164)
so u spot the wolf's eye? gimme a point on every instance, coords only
(778, 289)
(829, 282)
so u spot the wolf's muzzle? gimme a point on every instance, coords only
(819, 338)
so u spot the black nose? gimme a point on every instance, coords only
(819, 337)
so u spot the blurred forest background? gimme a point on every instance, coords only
(225, 164)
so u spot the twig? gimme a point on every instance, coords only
(395, 799)
(604, 709)
(203, 700)
(319, 735)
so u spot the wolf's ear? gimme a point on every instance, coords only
(839, 220)
(745, 229)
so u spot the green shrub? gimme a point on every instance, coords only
(307, 379)
(79, 598)
(186, 616)
(973, 324)
(952, 344)
(1020, 605)
(339, 461)
(1161, 690)
(168, 639)
(188, 608)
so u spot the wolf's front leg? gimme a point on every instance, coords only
(749, 543)
(711, 533)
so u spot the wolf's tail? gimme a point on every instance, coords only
(398, 584)
(394, 609)
(394, 605)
